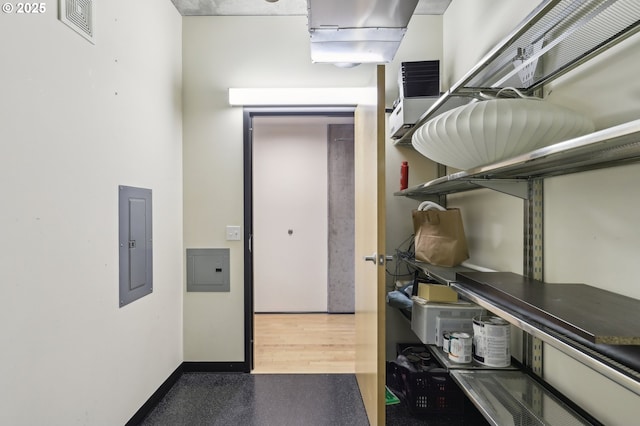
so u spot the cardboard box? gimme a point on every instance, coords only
(437, 293)
(423, 317)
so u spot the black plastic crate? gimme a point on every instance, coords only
(432, 391)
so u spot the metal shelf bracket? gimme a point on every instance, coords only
(516, 188)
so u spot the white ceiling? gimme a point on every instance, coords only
(277, 8)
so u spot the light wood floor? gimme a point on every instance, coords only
(304, 343)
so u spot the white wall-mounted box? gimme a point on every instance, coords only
(406, 113)
(423, 317)
(208, 270)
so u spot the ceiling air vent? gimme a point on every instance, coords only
(78, 14)
(357, 31)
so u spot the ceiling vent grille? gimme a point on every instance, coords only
(78, 14)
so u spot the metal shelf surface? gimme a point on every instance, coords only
(609, 147)
(514, 398)
(556, 37)
(591, 356)
(443, 359)
(597, 316)
(442, 274)
(595, 360)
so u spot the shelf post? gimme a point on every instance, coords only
(534, 268)
(442, 171)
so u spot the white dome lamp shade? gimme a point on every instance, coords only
(488, 131)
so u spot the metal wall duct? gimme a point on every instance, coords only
(358, 31)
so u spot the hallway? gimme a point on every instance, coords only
(303, 375)
(304, 343)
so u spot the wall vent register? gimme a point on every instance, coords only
(78, 15)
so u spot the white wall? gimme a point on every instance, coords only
(256, 58)
(473, 28)
(213, 140)
(493, 221)
(219, 53)
(591, 235)
(76, 121)
(423, 41)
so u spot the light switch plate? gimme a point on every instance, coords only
(233, 233)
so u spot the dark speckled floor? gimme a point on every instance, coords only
(274, 400)
(267, 399)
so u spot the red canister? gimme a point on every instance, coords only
(404, 175)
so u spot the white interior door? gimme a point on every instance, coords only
(290, 214)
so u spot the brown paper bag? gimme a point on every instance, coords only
(439, 236)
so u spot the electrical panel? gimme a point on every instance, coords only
(135, 243)
(208, 270)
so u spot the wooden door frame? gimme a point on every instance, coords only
(247, 126)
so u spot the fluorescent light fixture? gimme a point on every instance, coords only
(301, 96)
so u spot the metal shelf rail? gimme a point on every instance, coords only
(556, 37)
(600, 363)
(510, 398)
(605, 148)
(597, 361)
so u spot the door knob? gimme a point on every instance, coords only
(373, 258)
